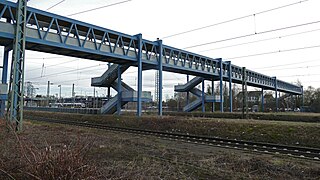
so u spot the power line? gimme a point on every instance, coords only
(64, 72)
(253, 34)
(301, 67)
(301, 75)
(234, 19)
(53, 65)
(266, 67)
(97, 8)
(262, 40)
(55, 5)
(273, 52)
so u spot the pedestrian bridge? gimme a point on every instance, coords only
(55, 34)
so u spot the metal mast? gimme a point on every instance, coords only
(15, 100)
(156, 93)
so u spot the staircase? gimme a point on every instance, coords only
(110, 79)
(190, 87)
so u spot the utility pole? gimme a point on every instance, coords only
(15, 100)
(59, 92)
(48, 92)
(73, 94)
(94, 97)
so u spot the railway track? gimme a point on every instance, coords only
(258, 147)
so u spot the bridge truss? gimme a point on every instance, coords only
(55, 34)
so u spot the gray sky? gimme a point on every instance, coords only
(158, 19)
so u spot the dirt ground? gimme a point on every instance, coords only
(48, 151)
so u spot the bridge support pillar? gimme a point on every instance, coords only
(119, 104)
(160, 78)
(213, 94)
(188, 91)
(302, 96)
(109, 89)
(203, 97)
(262, 100)
(230, 86)
(139, 89)
(276, 91)
(221, 86)
(244, 94)
(4, 80)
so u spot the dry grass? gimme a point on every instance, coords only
(290, 133)
(26, 160)
(123, 156)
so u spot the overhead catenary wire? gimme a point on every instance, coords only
(300, 75)
(97, 8)
(253, 34)
(64, 72)
(261, 40)
(234, 19)
(281, 65)
(75, 70)
(53, 65)
(273, 52)
(55, 5)
(300, 67)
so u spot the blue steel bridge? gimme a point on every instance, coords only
(51, 33)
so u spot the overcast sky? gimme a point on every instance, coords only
(158, 19)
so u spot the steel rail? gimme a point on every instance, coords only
(249, 146)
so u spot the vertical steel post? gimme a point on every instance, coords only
(262, 100)
(48, 89)
(276, 90)
(94, 98)
(73, 94)
(139, 107)
(59, 92)
(5, 66)
(160, 78)
(119, 91)
(244, 94)
(48, 93)
(213, 94)
(109, 89)
(203, 97)
(302, 94)
(4, 77)
(221, 85)
(230, 86)
(188, 91)
(15, 100)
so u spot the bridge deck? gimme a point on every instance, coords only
(51, 33)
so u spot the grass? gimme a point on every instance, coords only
(23, 159)
(282, 132)
(106, 155)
